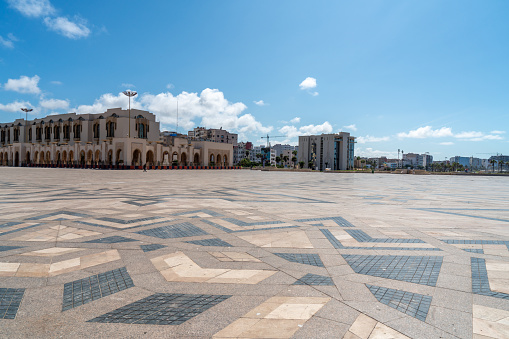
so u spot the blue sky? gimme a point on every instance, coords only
(428, 76)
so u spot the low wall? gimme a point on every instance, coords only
(124, 167)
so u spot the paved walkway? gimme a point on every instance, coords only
(250, 254)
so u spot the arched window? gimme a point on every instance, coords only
(142, 133)
(110, 129)
(96, 131)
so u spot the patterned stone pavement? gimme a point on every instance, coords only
(251, 254)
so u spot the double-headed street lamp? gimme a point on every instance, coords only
(26, 110)
(130, 94)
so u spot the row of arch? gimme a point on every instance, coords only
(95, 158)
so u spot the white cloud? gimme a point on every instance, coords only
(56, 82)
(54, 104)
(7, 43)
(209, 108)
(23, 85)
(468, 135)
(293, 132)
(497, 132)
(369, 138)
(15, 106)
(32, 8)
(127, 85)
(260, 103)
(447, 143)
(427, 132)
(295, 120)
(308, 83)
(351, 127)
(67, 28)
(369, 152)
(487, 137)
(170, 86)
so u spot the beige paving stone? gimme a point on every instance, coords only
(293, 239)
(490, 322)
(52, 251)
(363, 326)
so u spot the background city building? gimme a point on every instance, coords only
(334, 151)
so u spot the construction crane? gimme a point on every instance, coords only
(268, 138)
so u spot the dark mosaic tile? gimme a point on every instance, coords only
(151, 247)
(140, 202)
(361, 236)
(210, 242)
(10, 224)
(10, 299)
(474, 250)
(162, 309)
(227, 230)
(8, 248)
(302, 258)
(255, 223)
(62, 213)
(124, 222)
(110, 240)
(480, 282)
(337, 244)
(413, 304)
(83, 291)
(181, 230)
(314, 279)
(422, 270)
(209, 212)
(475, 242)
(338, 220)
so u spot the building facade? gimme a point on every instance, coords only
(114, 137)
(334, 151)
(213, 134)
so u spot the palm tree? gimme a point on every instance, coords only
(493, 162)
(294, 160)
(285, 158)
(501, 165)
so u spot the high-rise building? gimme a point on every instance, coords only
(334, 151)
(213, 134)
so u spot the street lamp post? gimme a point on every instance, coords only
(26, 110)
(130, 94)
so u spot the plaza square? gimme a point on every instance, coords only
(252, 254)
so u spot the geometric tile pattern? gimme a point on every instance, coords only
(413, 304)
(110, 240)
(234, 256)
(116, 223)
(151, 247)
(422, 270)
(476, 242)
(202, 212)
(83, 291)
(365, 327)
(16, 269)
(292, 239)
(338, 220)
(314, 279)
(13, 226)
(179, 267)
(181, 230)
(59, 215)
(10, 299)
(278, 317)
(162, 309)
(8, 248)
(361, 236)
(56, 233)
(246, 224)
(236, 229)
(302, 258)
(337, 244)
(480, 282)
(474, 250)
(210, 242)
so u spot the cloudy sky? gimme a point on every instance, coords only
(428, 76)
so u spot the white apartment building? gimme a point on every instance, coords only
(213, 134)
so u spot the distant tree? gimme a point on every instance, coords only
(294, 152)
(294, 160)
(245, 163)
(278, 159)
(285, 158)
(310, 164)
(493, 162)
(501, 164)
(301, 164)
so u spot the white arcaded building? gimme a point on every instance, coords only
(109, 138)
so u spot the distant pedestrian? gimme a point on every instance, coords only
(144, 167)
